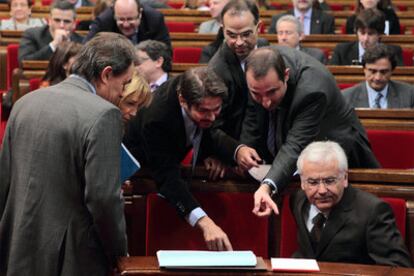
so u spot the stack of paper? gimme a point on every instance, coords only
(290, 264)
(198, 259)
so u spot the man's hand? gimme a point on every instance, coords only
(59, 36)
(214, 237)
(215, 167)
(247, 158)
(263, 203)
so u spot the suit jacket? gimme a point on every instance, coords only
(209, 27)
(152, 25)
(310, 111)
(157, 138)
(360, 229)
(34, 44)
(321, 22)
(316, 53)
(227, 127)
(60, 207)
(344, 53)
(400, 95)
(390, 16)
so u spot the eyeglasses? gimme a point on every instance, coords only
(243, 36)
(129, 20)
(327, 181)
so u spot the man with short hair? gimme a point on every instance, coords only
(160, 136)
(296, 101)
(61, 210)
(378, 90)
(39, 43)
(290, 33)
(212, 26)
(369, 27)
(132, 19)
(314, 21)
(339, 223)
(153, 62)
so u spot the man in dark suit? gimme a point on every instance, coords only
(61, 212)
(290, 33)
(339, 223)
(39, 43)
(378, 90)
(314, 21)
(154, 62)
(369, 26)
(179, 117)
(296, 101)
(136, 21)
(240, 28)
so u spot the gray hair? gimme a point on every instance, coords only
(105, 49)
(290, 18)
(323, 151)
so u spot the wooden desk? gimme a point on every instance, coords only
(149, 266)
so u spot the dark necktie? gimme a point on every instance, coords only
(196, 140)
(271, 133)
(377, 100)
(316, 231)
(154, 87)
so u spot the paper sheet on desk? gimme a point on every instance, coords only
(195, 258)
(292, 264)
(260, 172)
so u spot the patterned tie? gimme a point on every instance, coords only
(153, 86)
(271, 134)
(316, 231)
(377, 103)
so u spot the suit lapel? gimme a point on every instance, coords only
(315, 27)
(362, 98)
(392, 96)
(301, 208)
(353, 54)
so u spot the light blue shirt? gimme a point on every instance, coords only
(372, 94)
(306, 20)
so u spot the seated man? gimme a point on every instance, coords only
(160, 136)
(39, 43)
(378, 90)
(132, 19)
(369, 26)
(212, 26)
(339, 223)
(153, 62)
(314, 21)
(290, 33)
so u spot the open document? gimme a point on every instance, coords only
(129, 165)
(260, 172)
(195, 259)
(291, 264)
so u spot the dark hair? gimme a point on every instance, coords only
(377, 52)
(382, 5)
(238, 6)
(261, 60)
(200, 82)
(156, 49)
(29, 3)
(372, 19)
(64, 6)
(139, 5)
(55, 72)
(104, 49)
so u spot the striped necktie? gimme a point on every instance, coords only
(378, 98)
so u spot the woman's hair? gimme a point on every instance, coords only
(140, 87)
(382, 5)
(55, 71)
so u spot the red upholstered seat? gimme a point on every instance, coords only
(231, 211)
(408, 55)
(399, 209)
(175, 5)
(345, 85)
(336, 7)
(12, 62)
(34, 83)
(180, 27)
(46, 2)
(393, 148)
(186, 54)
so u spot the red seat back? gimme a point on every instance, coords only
(34, 83)
(186, 54)
(230, 211)
(175, 5)
(399, 209)
(393, 148)
(408, 55)
(345, 85)
(180, 27)
(12, 62)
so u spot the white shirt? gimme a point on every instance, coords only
(372, 94)
(313, 211)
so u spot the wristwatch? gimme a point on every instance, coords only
(273, 188)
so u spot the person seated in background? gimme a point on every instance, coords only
(209, 50)
(153, 62)
(200, 5)
(369, 27)
(378, 90)
(160, 136)
(60, 63)
(39, 43)
(339, 223)
(20, 12)
(392, 23)
(314, 21)
(290, 33)
(212, 26)
(132, 19)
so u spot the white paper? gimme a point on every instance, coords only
(292, 264)
(194, 258)
(260, 172)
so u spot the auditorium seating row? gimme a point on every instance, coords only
(153, 224)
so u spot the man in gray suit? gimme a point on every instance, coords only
(212, 26)
(378, 90)
(290, 33)
(61, 211)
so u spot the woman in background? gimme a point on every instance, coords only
(20, 12)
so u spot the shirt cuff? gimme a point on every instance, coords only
(271, 183)
(195, 215)
(51, 47)
(235, 152)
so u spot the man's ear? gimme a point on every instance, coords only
(259, 25)
(106, 74)
(346, 180)
(182, 101)
(287, 74)
(159, 62)
(301, 37)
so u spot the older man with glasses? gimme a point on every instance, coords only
(136, 21)
(339, 223)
